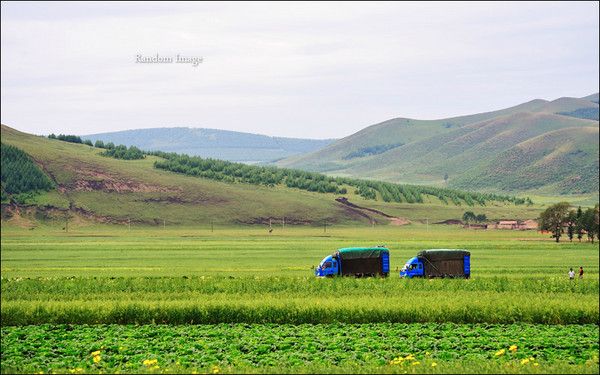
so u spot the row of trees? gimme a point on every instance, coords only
(122, 152)
(70, 138)
(117, 152)
(19, 174)
(562, 217)
(270, 176)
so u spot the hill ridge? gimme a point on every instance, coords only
(216, 143)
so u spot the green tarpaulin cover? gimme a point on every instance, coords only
(361, 252)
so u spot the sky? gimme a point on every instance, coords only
(309, 70)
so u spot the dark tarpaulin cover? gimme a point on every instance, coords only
(435, 255)
(361, 252)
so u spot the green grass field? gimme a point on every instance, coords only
(238, 299)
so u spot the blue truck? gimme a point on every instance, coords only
(356, 261)
(438, 263)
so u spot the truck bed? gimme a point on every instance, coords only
(452, 267)
(362, 266)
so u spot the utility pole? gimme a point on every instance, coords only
(164, 223)
(67, 223)
(212, 227)
(283, 223)
(427, 220)
(325, 226)
(128, 224)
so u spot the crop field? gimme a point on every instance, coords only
(240, 299)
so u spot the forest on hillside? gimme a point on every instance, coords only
(19, 174)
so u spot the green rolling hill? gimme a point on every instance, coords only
(90, 188)
(471, 150)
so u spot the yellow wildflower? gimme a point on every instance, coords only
(513, 348)
(525, 361)
(96, 358)
(433, 364)
(536, 364)
(410, 357)
(215, 370)
(97, 352)
(397, 361)
(415, 363)
(500, 352)
(150, 362)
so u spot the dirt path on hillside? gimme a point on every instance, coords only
(360, 210)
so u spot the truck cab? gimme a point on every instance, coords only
(412, 268)
(328, 267)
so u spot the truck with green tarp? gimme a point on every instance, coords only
(356, 261)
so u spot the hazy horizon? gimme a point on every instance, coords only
(298, 70)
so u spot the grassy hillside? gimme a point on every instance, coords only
(467, 148)
(213, 143)
(544, 161)
(94, 188)
(399, 130)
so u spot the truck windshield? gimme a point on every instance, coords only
(409, 266)
(326, 264)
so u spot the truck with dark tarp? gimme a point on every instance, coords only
(356, 261)
(438, 263)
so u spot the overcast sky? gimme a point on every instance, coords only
(316, 70)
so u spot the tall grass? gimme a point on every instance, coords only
(480, 307)
(165, 288)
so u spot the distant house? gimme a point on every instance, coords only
(516, 224)
(507, 224)
(476, 226)
(530, 225)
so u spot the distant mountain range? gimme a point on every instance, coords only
(213, 143)
(548, 147)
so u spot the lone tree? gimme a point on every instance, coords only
(469, 216)
(554, 218)
(579, 223)
(481, 218)
(597, 221)
(571, 224)
(589, 222)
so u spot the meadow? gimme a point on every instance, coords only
(241, 299)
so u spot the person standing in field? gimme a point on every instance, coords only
(581, 272)
(571, 274)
